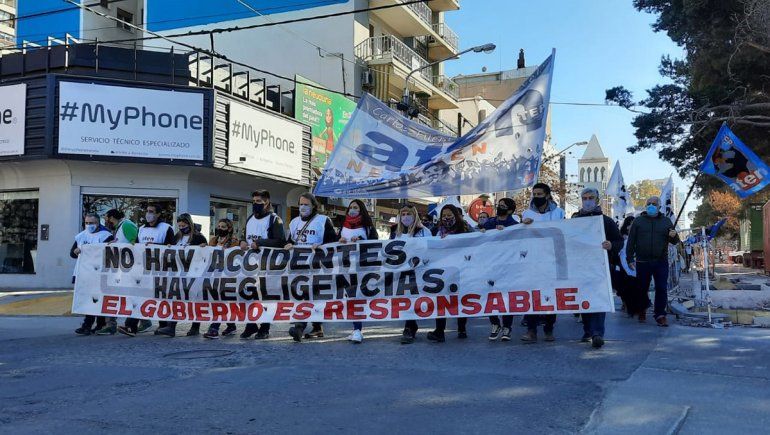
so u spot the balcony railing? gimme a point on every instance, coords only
(383, 47)
(423, 11)
(447, 85)
(448, 35)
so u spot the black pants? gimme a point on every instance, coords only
(132, 323)
(303, 325)
(461, 322)
(216, 326)
(507, 321)
(88, 322)
(532, 320)
(411, 326)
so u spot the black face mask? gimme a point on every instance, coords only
(539, 201)
(220, 232)
(502, 211)
(185, 230)
(257, 209)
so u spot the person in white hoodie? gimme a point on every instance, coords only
(541, 208)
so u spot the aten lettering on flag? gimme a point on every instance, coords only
(546, 267)
(382, 154)
(730, 160)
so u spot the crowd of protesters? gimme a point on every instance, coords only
(637, 254)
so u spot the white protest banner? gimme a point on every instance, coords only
(265, 142)
(546, 267)
(13, 104)
(123, 121)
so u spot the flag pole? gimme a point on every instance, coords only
(681, 210)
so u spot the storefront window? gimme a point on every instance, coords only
(132, 206)
(18, 231)
(236, 211)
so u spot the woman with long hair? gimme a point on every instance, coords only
(409, 225)
(224, 237)
(451, 223)
(357, 226)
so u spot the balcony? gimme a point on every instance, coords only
(444, 5)
(444, 42)
(410, 20)
(441, 92)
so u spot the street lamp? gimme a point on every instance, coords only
(405, 103)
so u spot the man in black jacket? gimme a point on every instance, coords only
(647, 253)
(593, 323)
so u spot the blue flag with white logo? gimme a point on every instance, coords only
(382, 154)
(733, 162)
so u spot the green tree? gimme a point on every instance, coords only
(724, 77)
(640, 191)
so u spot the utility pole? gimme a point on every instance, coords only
(563, 181)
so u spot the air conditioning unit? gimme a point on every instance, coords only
(367, 79)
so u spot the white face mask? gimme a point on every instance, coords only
(149, 217)
(407, 220)
(353, 212)
(305, 210)
(91, 228)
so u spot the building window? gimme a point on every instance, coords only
(8, 19)
(603, 173)
(18, 231)
(126, 16)
(582, 174)
(132, 206)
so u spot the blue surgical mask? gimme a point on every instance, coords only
(91, 228)
(589, 204)
(652, 209)
(305, 210)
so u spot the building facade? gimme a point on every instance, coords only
(7, 23)
(594, 166)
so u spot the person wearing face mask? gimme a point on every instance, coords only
(188, 235)
(451, 223)
(223, 238)
(504, 218)
(483, 218)
(409, 225)
(357, 226)
(593, 323)
(93, 233)
(647, 253)
(264, 228)
(153, 232)
(542, 208)
(310, 229)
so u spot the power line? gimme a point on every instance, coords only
(53, 12)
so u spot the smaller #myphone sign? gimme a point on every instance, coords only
(105, 120)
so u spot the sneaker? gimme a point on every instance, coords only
(437, 336)
(261, 335)
(144, 326)
(194, 331)
(407, 337)
(495, 333)
(356, 337)
(529, 337)
(661, 321)
(168, 331)
(125, 330)
(230, 330)
(83, 331)
(586, 338)
(316, 333)
(249, 330)
(506, 336)
(462, 334)
(108, 330)
(295, 333)
(211, 334)
(597, 341)
(549, 336)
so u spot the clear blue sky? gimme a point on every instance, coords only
(599, 44)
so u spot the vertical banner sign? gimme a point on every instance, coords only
(667, 200)
(327, 114)
(616, 188)
(264, 142)
(13, 105)
(730, 160)
(132, 122)
(382, 154)
(546, 267)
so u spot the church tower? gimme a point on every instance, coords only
(594, 167)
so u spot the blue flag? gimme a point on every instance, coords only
(734, 163)
(712, 231)
(382, 154)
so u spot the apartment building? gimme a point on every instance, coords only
(7, 23)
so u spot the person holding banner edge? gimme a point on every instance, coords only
(94, 232)
(310, 230)
(593, 323)
(542, 208)
(357, 226)
(410, 225)
(263, 228)
(506, 207)
(451, 223)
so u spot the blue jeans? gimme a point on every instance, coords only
(357, 326)
(657, 270)
(593, 324)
